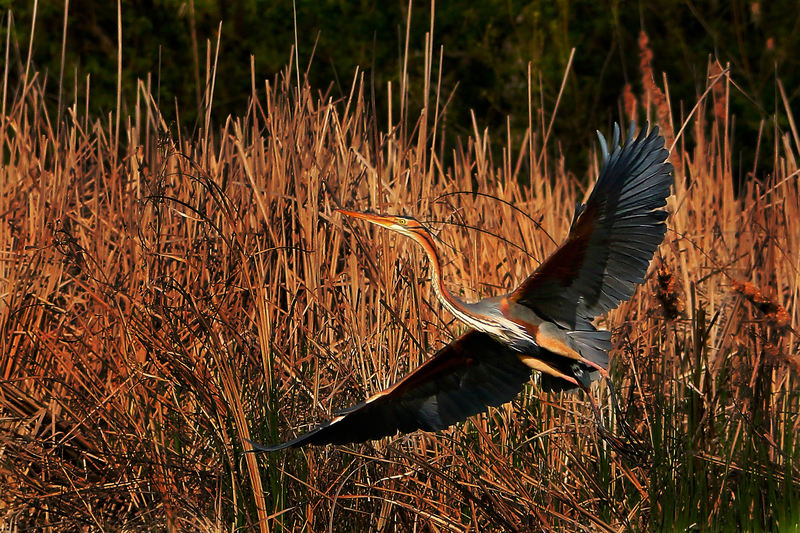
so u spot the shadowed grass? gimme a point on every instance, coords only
(162, 304)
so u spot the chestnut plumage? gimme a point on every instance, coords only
(544, 325)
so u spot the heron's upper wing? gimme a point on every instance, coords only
(460, 380)
(612, 239)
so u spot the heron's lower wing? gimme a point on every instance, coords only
(612, 239)
(460, 380)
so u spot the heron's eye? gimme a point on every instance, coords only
(402, 221)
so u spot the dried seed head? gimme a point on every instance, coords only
(776, 315)
(630, 103)
(668, 294)
(774, 356)
(720, 112)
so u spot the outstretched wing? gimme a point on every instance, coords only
(611, 242)
(460, 380)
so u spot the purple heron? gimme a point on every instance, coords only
(544, 325)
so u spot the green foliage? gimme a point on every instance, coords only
(487, 46)
(160, 307)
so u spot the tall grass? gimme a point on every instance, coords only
(162, 303)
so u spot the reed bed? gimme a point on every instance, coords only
(165, 295)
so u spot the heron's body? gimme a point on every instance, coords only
(544, 325)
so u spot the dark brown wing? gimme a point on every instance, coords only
(460, 380)
(612, 239)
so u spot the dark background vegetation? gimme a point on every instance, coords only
(158, 306)
(487, 46)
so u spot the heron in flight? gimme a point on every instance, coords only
(544, 325)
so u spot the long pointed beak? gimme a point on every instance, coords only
(380, 220)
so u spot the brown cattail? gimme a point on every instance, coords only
(719, 93)
(776, 315)
(794, 362)
(656, 95)
(668, 294)
(630, 103)
(774, 356)
(645, 58)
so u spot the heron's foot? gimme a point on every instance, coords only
(632, 449)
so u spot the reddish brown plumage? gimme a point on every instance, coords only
(565, 263)
(544, 325)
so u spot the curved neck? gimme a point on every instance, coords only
(450, 302)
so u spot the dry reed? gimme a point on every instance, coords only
(160, 306)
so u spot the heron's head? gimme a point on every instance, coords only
(407, 226)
